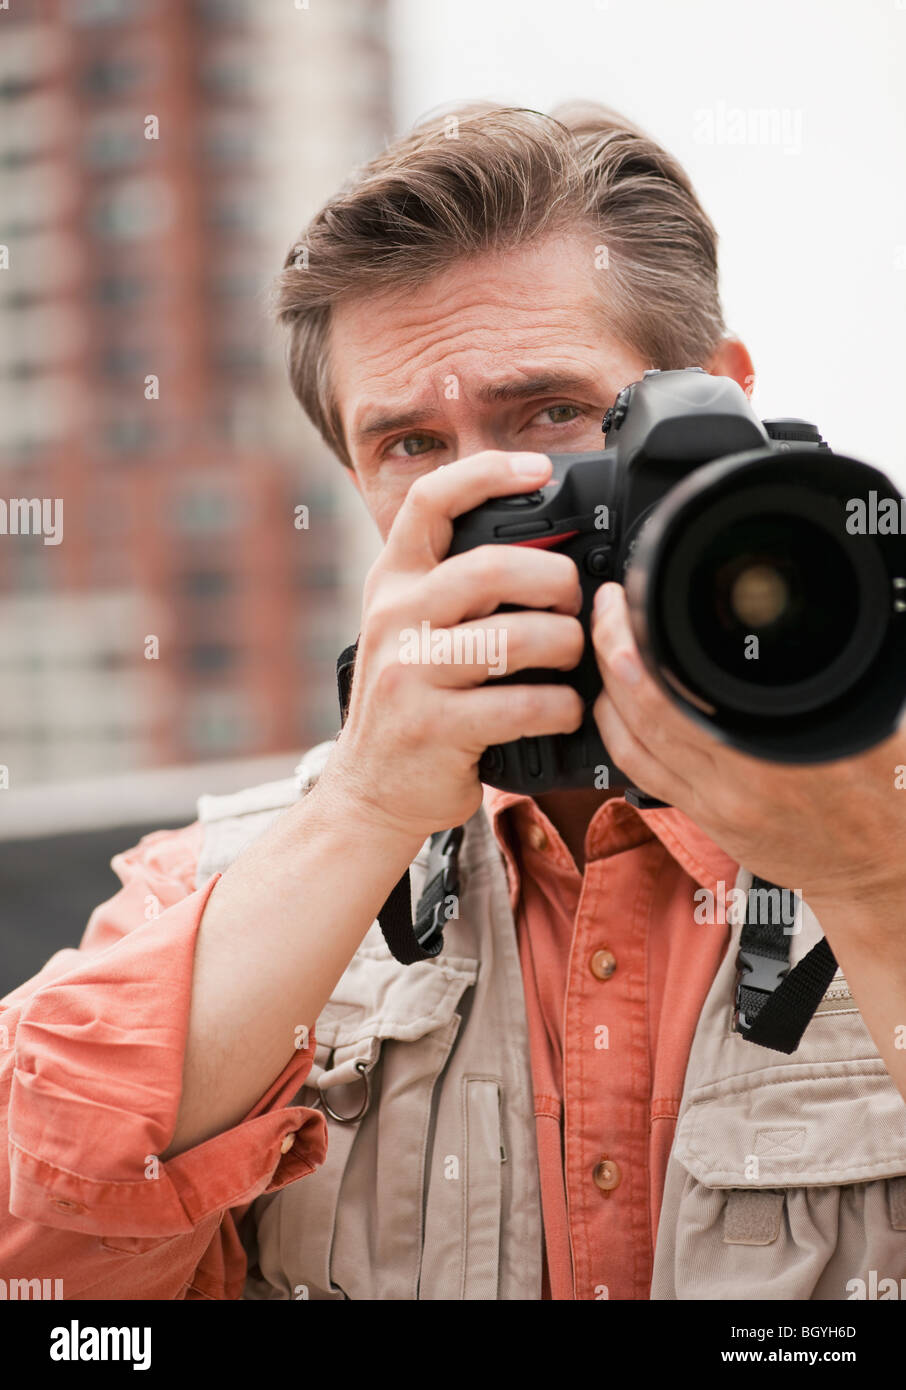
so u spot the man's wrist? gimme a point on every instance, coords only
(869, 911)
(339, 803)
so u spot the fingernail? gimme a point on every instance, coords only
(529, 465)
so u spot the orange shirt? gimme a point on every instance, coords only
(616, 970)
(91, 1057)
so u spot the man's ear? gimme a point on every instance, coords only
(732, 359)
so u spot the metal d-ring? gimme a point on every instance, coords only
(362, 1069)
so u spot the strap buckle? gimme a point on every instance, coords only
(760, 973)
(442, 882)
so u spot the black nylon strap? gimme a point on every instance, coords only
(774, 1005)
(423, 940)
(395, 919)
(345, 667)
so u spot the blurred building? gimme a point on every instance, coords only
(157, 160)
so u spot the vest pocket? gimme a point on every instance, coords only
(353, 1228)
(483, 1188)
(792, 1184)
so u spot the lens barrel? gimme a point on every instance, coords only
(767, 612)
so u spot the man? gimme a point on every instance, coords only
(501, 1121)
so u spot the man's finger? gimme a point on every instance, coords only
(648, 713)
(496, 714)
(627, 753)
(472, 653)
(479, 581)
(423, 527)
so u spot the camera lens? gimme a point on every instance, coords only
(759, 594)
(771, 600)
(763, 615)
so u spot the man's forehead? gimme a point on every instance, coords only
(491, 318)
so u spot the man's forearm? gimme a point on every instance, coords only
(868, 938)
(278, 931)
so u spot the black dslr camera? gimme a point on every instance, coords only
(766, 578)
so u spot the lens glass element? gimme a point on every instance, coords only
(782, 580)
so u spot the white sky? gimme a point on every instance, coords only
(813, 228)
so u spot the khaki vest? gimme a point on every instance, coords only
(787, 1177)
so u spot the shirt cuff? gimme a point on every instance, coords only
(95, 1092)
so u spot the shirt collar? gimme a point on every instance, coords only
(705, 862)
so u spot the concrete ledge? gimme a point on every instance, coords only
(167, 795)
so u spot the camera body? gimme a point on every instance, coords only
(723, 529)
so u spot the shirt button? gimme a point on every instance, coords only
(62, 1204)
(607, 1174)
(536, 837)
(603, 963)
(287, 1142)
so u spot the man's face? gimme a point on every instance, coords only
(506, 351)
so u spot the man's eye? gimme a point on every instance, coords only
(556, 413)
(413, 445)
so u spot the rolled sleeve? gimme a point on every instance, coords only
(97, 1062)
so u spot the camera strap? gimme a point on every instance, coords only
(774, 1004)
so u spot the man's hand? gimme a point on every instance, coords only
(408, 753)
(832, 830)
(404, 765)
(836, 832)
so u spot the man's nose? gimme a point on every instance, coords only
(480, 438)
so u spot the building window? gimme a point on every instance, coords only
(239, 357)
(206, 583)
(235, 284)
(235, 211)
(224, 11)
(205, 511)
(228, 71)
(112, 143)
(129, 434)
(117, 75)
(12, 87)
(134, 209)
(21, 370)
(120, 362)
(208, 657)
(219, 721)
(88, 12)
(230, 140)
(16, 159)
(116, 290)
(318, 577)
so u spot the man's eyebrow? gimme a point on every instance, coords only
(546, 384)
(375, 426)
